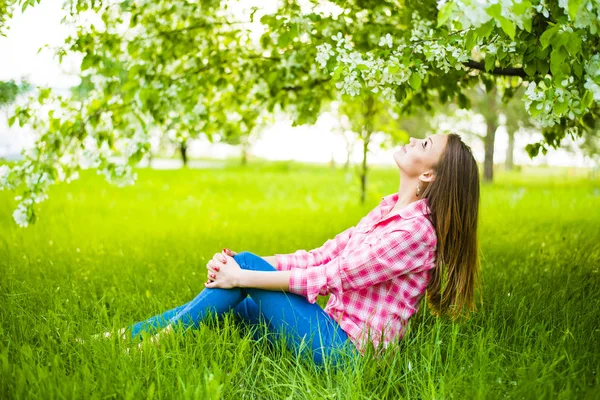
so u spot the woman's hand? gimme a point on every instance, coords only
(223, 272)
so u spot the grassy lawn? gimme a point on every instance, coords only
(102, 257)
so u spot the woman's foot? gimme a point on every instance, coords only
(154, 339)
(105, 335)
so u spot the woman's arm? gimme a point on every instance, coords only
(271, 260)
(230, 275)
(303, 259)
(268, 280)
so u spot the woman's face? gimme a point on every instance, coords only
(420, 155)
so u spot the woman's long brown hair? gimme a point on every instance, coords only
(453, 198)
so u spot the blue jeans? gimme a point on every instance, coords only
(308, 329)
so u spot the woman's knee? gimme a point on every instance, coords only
(241, 258)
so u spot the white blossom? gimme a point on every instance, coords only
(324, 51)
(386, 41)
(542, 8)
(20, 215)
(4, 173)
(593, 87)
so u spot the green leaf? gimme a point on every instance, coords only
(556, 59)
(494, 11)
(573, 45)
(547, 35)
(532, 149)
(566, 69)
(574, 7)
(533, 109)
(542, 53)
(445, 13)
(392, 69)
(11, 120)
(400, 94)
(490, 62)
(337, 72)
(508, 27)
(463, 101)
(577, 70)
(500, 54)
(560, 108)
(530, 69)
(520, 8)
(415, 81)
(470, 40)
(484, 30)
(527, 24)
(87, 61)
(542, 66)
(587, 99)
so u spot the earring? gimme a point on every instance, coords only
(418, 188)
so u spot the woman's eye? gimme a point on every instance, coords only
(424, 144)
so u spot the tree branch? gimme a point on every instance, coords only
(312, 85)
(496, 71)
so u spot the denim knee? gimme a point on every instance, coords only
(250, 261)
(240, 258)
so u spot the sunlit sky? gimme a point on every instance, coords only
(40, 26)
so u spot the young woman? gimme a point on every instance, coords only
(422, 238)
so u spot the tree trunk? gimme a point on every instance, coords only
(150, 156)
(347, 163)
(509, 164)
(363, 172)
(368, 114)
(183, 150)
(244, 154)
(492, 125)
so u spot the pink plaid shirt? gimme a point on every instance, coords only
(376, 271)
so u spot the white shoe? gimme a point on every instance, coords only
(154, 339)
(108, 335)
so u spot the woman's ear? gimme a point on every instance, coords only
(427, 176)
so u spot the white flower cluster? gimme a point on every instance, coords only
(374, 73)
(350, 84)
(37, 184)
(542, 8)
(128, 146)
(324, 53)
(386, 41)
(436, 51)
(539, 95)
(119, 173)
(4, 174)
(45, 165)
(92, 155)
(506, 45)
(587, 16)
(473, 13)
(592, 77)
(21, 214)
(438, 54)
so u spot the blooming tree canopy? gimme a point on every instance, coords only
(194, 69)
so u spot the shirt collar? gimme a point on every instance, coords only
(419, 207)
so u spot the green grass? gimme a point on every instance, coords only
(102, 257)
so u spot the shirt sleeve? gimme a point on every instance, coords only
(302, 259)
(401, 252)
